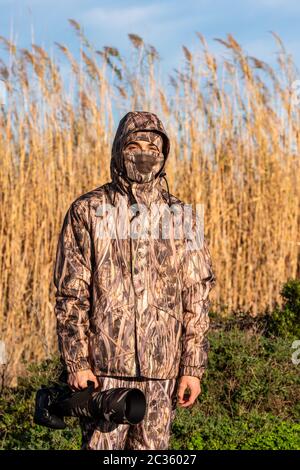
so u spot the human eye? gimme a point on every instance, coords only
(131, 148)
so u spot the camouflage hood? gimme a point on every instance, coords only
(131, 123)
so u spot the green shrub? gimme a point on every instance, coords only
(250, 398)
(285, 321)
(258, 432)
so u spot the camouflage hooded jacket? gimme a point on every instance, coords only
(131, 305)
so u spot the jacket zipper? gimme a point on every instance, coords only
(137, 361)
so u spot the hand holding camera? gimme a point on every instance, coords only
(79, 380)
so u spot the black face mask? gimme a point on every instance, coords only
(142, 167)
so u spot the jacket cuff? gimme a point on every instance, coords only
(191, 370)
(81, 364)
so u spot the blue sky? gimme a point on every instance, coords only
(166, 24)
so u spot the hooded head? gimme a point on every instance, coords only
(129, 161)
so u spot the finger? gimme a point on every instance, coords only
(74, 386)
(181, 391)
(184, 401)
(82, 383)
(191, 399)
(93, 378)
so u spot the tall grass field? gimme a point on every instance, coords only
(234, 125)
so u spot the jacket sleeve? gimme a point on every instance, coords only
(198, 280)
(72, 277)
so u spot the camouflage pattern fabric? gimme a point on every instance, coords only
(134, 306)
(153, 432)
(142, 167)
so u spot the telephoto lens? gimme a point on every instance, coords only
(119, 405)
(115, 406)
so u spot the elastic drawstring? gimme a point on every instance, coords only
(114, 197)
(112, 200)
(163, 175)
(133, 199)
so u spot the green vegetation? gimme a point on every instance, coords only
(250, 397)
(250, 393)
(286, 321)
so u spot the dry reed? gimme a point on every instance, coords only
(234, 129)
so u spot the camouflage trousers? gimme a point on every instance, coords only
(153, 432)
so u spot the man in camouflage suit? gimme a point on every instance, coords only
(132, 311)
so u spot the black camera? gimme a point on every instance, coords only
(116, 405)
